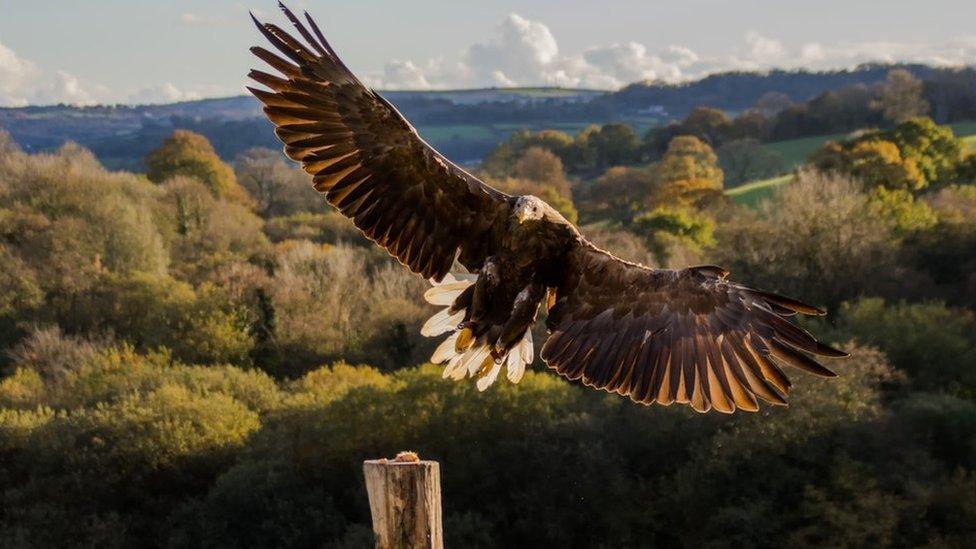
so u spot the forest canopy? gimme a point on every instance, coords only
(204, 355)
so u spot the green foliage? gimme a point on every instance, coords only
(914, 154)
(324, 228)
(746, 160)
(663, 228)
(934, 344)
(905, 214)
(935, 149)
(189, 154)
(364, 302)
(947, 253)
(966, 170)
(876, 162)
(819, 237)
(594, 148)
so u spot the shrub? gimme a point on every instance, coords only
(819, 239)
(664, 228)
(933, 344)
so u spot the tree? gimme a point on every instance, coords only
(501, 160)
(706, 123)
(190, 154)
(900, 97)
(874, 161)
(277, 187)
(966, 170)
(934, 148)
(613, 145)
(934, 344)
(744, 160)
(620, 193)
(688, 172)
(663, 228)
(819, 237)
(772, 103)
(543, 167)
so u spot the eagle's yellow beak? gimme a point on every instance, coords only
(522, 215)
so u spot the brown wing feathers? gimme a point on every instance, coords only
(685, 336)
(367, 159)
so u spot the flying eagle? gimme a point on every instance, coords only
(690, 336)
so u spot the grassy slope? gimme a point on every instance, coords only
(796, 151)
(751, 194)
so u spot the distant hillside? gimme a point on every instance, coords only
(736, 91)
(464, 124)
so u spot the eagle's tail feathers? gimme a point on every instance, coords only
(442, 322)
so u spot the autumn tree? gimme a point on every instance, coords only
(620, 193)
(501, 160)
(190, 154)
(688, 172)
(707, 123)
(875, 162)
(934, 148)
(912, 155)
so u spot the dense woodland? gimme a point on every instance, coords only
(204, 353)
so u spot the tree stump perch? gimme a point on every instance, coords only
(405, 502)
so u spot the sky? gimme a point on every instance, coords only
(147, 51)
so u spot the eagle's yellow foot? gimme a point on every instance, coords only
(486, 365)
(464, 339)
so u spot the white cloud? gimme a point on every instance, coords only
(523, 52)
(22, 82)
(162, 93)
(15, 73)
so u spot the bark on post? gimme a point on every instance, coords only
(405, 501)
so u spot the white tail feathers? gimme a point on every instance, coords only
(463, 357)
(441, 323)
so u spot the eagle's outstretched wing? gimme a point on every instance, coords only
(369, 161)
(688, 336)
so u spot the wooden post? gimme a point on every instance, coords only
(405, 501)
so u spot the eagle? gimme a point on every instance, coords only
(689, 336)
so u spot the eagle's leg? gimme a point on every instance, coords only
(485, 334)
(523, 316)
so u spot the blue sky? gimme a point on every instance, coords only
(150, 51)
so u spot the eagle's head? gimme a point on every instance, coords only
(529, 207)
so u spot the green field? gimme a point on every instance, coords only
(969, 142)
(964, 128)
(751, 194)
(796, 151)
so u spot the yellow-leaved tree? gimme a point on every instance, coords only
(688, 172)
(190, 154)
